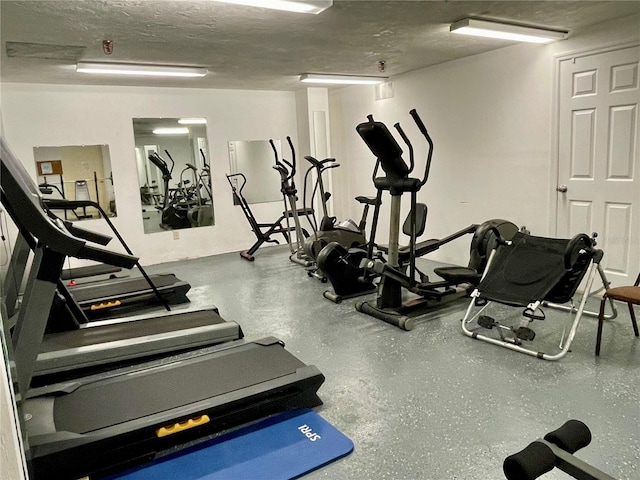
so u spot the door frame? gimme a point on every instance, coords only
(555, 121)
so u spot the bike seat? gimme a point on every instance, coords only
(366, 200)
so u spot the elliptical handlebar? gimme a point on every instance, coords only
(205, 165)
(408, 143)
(425, 133)
(173, 164)
(281, 166)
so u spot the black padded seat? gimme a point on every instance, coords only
(366, 200)
(457, 275)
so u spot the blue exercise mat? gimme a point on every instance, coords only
(285, 446)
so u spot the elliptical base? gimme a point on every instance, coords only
(390, 316)
(335, 298)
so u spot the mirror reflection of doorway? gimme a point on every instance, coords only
(76, 172)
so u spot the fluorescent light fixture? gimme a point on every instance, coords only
(171, 131)
(506, 31)
(327, 79)
(139, 69)
(298, 6)
(192, 121)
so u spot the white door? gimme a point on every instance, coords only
(599, 158)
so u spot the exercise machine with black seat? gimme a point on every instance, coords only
(118, 418)
(400, 271)
(346, 233)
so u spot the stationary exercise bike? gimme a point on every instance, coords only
(347, 233)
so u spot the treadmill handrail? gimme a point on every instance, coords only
(21, 197)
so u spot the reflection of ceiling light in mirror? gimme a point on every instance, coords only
(341, 79)
(506, 31)
(298, 6)
(171, 131)
(192, 121)
(134, 69)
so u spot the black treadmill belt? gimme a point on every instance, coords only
(124, 286)
(138, 328)
(103, 404)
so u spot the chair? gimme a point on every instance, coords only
(628, 294)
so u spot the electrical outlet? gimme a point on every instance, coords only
(176, 235)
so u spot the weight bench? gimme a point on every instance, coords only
(526, 272)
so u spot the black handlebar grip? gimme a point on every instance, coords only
(570, 437)
(402, 134)
(169, 155)
(273, 147)
(419, 123)
(528, 464)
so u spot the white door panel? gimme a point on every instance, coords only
(599, 156)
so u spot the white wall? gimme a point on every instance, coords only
(74, 115)
(491, 120)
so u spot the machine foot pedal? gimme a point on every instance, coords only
(486, 322)
(524, 333)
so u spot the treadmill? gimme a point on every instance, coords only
(73, 346)
(110, 297)
(98, 424)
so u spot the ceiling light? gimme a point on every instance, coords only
(171, 131)
(340, 79)
(192, 121)
(298, 6)
(135, 69)
(506, 31)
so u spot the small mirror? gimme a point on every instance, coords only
(77, 173)
(255, 159)
(173, 173)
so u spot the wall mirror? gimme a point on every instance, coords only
(255, 159)
(77, 172)
(173, 173)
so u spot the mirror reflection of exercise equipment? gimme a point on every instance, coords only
(80, 172)
(173, 173)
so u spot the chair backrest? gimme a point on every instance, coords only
(537, 268)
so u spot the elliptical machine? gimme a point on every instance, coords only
(287, 171)
(174, 215)
(456, 281)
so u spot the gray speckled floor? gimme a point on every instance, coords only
(431, 403)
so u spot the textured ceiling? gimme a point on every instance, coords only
(256, 48)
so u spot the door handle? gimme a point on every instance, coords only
(561, 188)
